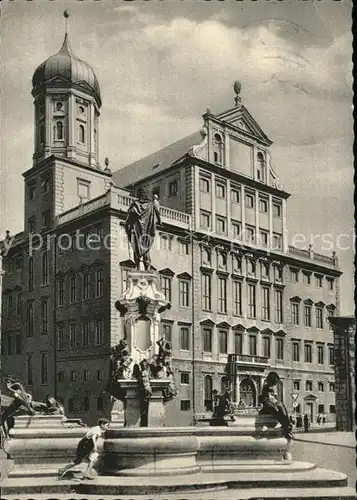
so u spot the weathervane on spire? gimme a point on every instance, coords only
(66, 15)
(237, 87)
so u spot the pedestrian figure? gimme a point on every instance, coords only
(306, 423)
(298, 422)
(323, 418)
(318, 419)
(87, 450)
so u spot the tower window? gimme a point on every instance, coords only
(81, 134)
(59, 106)
(81, 110)
(260, 167)
(217, 149)
(59, 130)
(42, 133)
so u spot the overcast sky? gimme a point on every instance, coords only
(160, 64)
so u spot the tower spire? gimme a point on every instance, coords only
(66, 15)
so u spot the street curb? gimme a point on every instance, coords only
(352, 447)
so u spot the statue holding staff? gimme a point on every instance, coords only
(140, 225)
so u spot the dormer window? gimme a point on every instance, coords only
(59, 131)
(261, 174)
(217, 149)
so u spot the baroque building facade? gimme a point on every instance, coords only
(244, 301)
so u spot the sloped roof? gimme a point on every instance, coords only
(155, 162)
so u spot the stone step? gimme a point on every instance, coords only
(255, 480)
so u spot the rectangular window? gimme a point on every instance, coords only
(85, 286)
(98, 282)
(29, 364)
(320, 387)
(45, 186)
(296, 351)
(60, 293)
(30, 276)
(278, 273)
(83, 190)
(60, 337)
(236, 227)
(32, 191)
(184, 293)
(266, 347)
(206, 281)
(184, 338)
(99, 331)
(238, 343)
(44, 316)
(332, 409)
(206, 256)
(295, 314)
(45, 269)
(276, 210)
(185, 379)
(306, 278)
(99, 374)
(278, 306)
(183, 248)
(330, 284)
(223, 341)
(235, 196)
(280, 349)
(167, 331)
(220, 190)
(9, 344)
(18, 343)
(320, 354)
(73, 289)
(46, 219)
(294, 276)
(100, 404)
(72, 335)
(252, 345)
(264, 238)
(251, 301)
(30, 318)
(318, 280)
(173, 188)
(237, 264)
(44, 368)
(319, 318)
(277, 242)
(207, 339)
(250, 234)
(308, 385)
(308, 353)
(222, 295)
(165, 242)
(204, 185)
(237, 298)
(249, 201)
(185, 405)
(331, 387)
(331, 356)
(124, 279)
(166, 287)
(263, 206)
(85, 375)
(85, 334)
(266, 303)
(71, 405)
(60, 376)
(296, 385)
(221, 225)
(307, 316)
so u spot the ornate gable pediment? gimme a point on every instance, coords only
(320, 304)
(295, 299)
(308, 302)
(240, 118)
(184, 276)
(253, 329)
(127, 263)
(280, 333)
(58, 80)
(207, 322)
(239, 327)
(167, 272)
(223, 324)
(267, 331)
(84, 85)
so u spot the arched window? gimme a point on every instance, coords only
(217, 149)
(261, 174)
(224, 384)
(45, 268)
(81, 134)
(208, 393)
(247, 394)
(59, 131)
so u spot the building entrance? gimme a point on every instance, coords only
(247, 393)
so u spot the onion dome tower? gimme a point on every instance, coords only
(67, 101)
